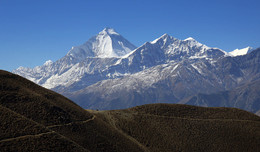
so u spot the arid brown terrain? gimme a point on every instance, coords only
(36, 119)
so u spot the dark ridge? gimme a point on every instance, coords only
(37, 103)
(195, 112)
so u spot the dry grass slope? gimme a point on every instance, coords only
(37, 103)
(36, 119)
(55, 113)
(18, 133)
(167, 127)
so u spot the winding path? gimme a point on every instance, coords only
(93, 117)
(27, 136)
(46, 133)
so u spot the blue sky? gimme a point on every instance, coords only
(33, 31)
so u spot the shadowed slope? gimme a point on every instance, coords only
(37, 103)
(56, 113)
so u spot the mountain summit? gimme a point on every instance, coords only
(108, 43)
(106, 46)
(239, 52)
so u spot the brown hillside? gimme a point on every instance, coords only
(36, 119)
(19, 133)
(57, 114)
(37, 103)
(168, 127)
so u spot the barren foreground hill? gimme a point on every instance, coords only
(36, 119)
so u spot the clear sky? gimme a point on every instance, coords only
(33, 31)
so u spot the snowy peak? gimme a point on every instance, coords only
(109, 31)
(106, 44)
(47, 63)
(176, 49)
(190, 39)
(164, 38)
(167, 49)
(239, 52)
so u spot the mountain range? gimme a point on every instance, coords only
(108, 72)
(37, 119)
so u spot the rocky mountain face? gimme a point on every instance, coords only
(243, 97)
(172, 82)
(108, 72)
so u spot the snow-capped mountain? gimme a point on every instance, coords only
(239, 52)
(97, 53)
(109, 72)
(165, 49)
(108, 55)
(108, 43)
(172, 82)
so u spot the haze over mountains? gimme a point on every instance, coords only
(108, 72)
